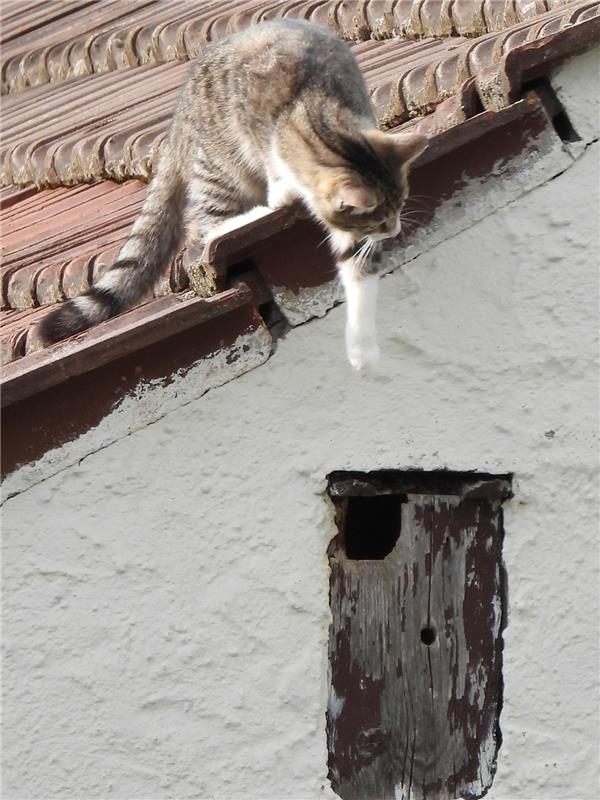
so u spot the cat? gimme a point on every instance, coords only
(276, 114)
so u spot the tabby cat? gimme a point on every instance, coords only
(271, 115)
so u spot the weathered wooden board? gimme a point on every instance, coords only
(415, 642)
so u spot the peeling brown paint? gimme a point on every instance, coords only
(52, 401)
(407, 718)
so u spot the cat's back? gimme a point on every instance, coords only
(297, 40)
(274, 63)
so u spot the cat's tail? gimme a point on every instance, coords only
(154, 240)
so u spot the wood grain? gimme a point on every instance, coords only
(409, 719)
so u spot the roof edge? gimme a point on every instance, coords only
(116, 338)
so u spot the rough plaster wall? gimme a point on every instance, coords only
(166, 599)
(167, 638)
(577, 85)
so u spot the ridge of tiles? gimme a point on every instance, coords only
(80, 38)
(48, 141)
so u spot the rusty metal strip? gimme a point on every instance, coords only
(473, 485)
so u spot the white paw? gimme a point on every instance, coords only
(277, 202)
(280, 195)
(364, 357)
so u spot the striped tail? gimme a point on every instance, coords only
(154, 240)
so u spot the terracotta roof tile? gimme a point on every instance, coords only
(14, 332)
(85, 129)
(88, 127)
(87, 37)
(56, 242)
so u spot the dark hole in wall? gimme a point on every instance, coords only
(554, 109)
(372, 526)
(562, 125)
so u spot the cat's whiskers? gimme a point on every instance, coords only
(419, 202)
(326, 238)
(415, 210)
(415, 216)
(419, 197)
(364, 252)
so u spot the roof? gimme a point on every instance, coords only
(45, 42)
(88, 92)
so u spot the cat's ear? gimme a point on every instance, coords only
(409, 145)
(356, 199)
(402, 148)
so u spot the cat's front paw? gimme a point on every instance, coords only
(364, 357)
(280, 195)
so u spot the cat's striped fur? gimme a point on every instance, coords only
(273, 114)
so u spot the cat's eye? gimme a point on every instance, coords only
(357, 210)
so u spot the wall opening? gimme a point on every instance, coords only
(554, 109)
(372, 526)
(417, 596)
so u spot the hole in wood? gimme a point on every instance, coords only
(372, 526)
(428, 635)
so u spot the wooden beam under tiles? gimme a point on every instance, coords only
(129, 333)
(57, 394)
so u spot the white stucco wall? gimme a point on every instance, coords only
(165, 600)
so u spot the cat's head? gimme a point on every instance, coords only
(362, 195)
